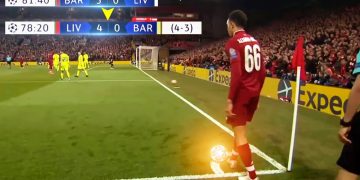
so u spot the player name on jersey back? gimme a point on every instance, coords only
(246, 40)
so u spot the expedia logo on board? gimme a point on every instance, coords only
(321, 101)
(222, 79)
(284, 90)
(190, 72)
(313, 98)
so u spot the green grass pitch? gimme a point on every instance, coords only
(121, 124)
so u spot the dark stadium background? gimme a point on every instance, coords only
(269, 15)
(211, 12)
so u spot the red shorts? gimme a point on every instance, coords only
(244, 110)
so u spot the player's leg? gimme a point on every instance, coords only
(233, 157)
(243, 148)
(349, 160)
(78, 71)
(86, 72)
(346, 175)
(62, 69)
(244, 109)
(51, 67)
(62, 75)
(67, 71)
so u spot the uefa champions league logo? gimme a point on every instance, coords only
(12, 2)
(12, 28)
(284, 90)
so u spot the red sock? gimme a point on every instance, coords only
(246, 157)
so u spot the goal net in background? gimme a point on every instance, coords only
(147, 57)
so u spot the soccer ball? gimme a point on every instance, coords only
(12, 2)
(218, 153)
(12, 27)
(173, 81)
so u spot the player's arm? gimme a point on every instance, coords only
(354, 100)
(235, 60)
(352, 106)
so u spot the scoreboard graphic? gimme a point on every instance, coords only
(137, 26)
(102, 28)
(81, 3)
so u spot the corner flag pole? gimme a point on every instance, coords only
(295, 115)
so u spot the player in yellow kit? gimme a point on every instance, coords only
(81, 65)
(86, 60)
(64, 65)
(56, 60)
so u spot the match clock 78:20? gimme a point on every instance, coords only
(27, 27)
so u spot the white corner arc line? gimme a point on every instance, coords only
(215, 167)
(227, 130)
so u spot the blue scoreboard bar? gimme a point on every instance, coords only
(107, 28)
(107, 3)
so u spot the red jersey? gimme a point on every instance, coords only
(50, 57)
(247, 66)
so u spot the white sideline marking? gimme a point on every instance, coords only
(76, 81)
(208, 176)
(253, 148)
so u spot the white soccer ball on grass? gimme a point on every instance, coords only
(219, 153)
(173, 81)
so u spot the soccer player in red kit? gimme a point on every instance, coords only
(51, 63)
(247, 78)
(22, 60)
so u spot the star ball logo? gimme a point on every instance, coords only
(12, 28)
(284, 90)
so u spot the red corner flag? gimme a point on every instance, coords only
(298, 58)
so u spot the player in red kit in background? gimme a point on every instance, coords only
(247, 78)
(21, 60)
(51, 62)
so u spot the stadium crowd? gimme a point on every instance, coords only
(331, 42)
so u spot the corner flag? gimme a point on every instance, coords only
(298, 63)
(299, 59)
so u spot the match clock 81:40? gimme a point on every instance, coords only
(30, 3)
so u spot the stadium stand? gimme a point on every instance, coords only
(331, 43)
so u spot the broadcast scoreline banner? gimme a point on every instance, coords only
(101, 28)
(81, 3)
